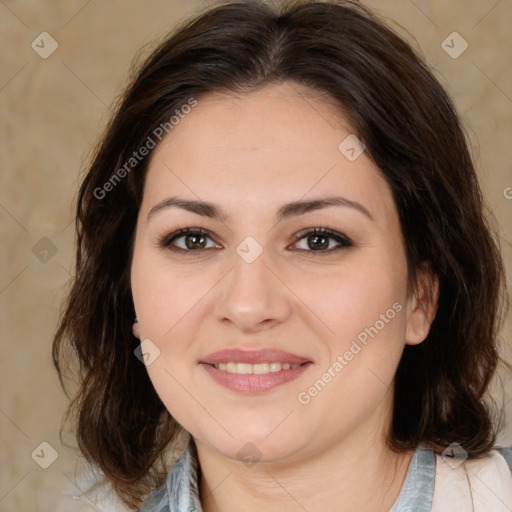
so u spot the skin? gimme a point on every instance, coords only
(250, 154)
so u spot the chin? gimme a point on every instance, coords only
(250, 449)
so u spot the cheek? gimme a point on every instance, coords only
(163, 295)
(365, 309)
(364, 305)
(355, 296)
(167, 302)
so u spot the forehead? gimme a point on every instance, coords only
(277, 144)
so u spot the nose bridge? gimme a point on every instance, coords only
(251, 294)
(250, 271)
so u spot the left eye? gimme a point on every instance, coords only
(195, 240)
(319, 240)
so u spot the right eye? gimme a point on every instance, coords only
(193, 240)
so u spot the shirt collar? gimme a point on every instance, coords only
(182, 483)
(418, 487)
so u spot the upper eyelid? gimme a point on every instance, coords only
(320, 229)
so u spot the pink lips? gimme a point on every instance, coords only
(254, 383)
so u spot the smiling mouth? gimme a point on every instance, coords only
(254, 371)
(257, 368)
(249, 378)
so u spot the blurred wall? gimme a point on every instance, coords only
(55, 105)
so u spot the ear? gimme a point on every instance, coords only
(136, 329)
(422, 304)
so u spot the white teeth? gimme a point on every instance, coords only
(261, 368)
(275, 367)
(244, 368)
(258, 369)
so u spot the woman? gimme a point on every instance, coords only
(282, 252)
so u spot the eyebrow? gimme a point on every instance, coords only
(286, 211)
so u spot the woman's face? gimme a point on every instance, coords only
(312, 325)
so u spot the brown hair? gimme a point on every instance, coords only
(410, 130)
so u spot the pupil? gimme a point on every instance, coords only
(191, 245)
(324, 245)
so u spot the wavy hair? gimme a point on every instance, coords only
(410, 130)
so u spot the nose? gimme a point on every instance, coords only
(253, 296)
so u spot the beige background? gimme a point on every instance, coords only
(54, 109)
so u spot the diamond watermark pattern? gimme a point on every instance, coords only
(454, 455)
(44, 455)
(351, 147)
(147, 352)
(454, 45)
(249, 249)
(44, 45)
(44, 250)
(249, 454)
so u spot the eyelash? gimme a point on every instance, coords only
(345, 242)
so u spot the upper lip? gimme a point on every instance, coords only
(266, 355)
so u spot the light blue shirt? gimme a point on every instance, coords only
(180, 493)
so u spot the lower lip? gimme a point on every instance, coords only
(254, 383)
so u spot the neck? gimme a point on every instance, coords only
(354, 474)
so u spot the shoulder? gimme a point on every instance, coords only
(506, 453)
(475, 482)
(497, 462)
